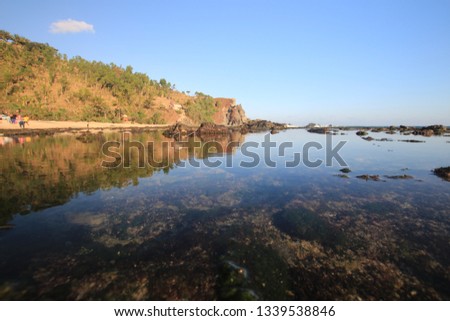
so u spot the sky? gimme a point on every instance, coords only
(347, 62)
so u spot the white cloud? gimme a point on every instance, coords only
(71, 26)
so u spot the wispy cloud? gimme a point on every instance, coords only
(71, 26)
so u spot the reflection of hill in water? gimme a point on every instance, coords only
(41, 172)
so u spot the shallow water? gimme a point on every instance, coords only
(74, 230)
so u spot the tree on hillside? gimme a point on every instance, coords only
(5, 35)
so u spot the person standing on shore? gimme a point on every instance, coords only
(20, 120)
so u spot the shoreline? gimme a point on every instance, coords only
(37, 127)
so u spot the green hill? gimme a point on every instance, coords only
(46, 85)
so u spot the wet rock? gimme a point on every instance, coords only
(368, 138)
(361, 133)
(436, 129)
(319, 130)
(345, 170)
(443, 172)
(261, 125)
(369, 177)
(400, 176)
(411, 141)
(431, 130)
(212, 129)
(179, 130)
(342, 175)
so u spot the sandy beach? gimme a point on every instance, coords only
(47, 124)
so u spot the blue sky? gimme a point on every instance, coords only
(372, 62)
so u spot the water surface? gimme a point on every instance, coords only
(72, 230)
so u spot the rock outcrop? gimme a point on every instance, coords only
(443, 172)
(259, 125)
(431, 130)
(228, 112)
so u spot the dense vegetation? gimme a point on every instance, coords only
(45, 84)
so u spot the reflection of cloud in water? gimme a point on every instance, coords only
(88, 219)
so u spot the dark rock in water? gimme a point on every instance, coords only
(179, 130)
(443, 172)
(274, 131)
(431, 130)
(319, 130)
(411, 141)
(424, 132)
(400, 176)
(361, 133)
(261, 125)
(212, 129)
(369, 177)
(368, 138)
(345, 170)
(304, 224)
(437, 129)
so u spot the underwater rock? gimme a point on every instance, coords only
(304, 224)
(342, 175)
(232, 282)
